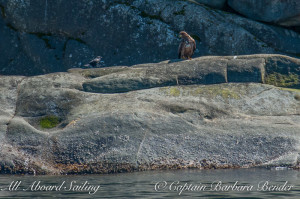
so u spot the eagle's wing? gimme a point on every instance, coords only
(193, 45)
(181, 45)
(94, 61)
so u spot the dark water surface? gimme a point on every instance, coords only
(238, 183)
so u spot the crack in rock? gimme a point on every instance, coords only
(17, 98)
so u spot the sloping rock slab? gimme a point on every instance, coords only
(283, 12)
(204, 70)
(192, 124)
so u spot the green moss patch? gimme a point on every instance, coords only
(215, 90)
(290, 89)
(281, 80)
(208, 90)
(171, 91)
(174, 92)
(228, 94)
(49, 122)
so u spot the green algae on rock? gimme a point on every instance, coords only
(49, 121)
(282, 80)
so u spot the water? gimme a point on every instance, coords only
(143, 184)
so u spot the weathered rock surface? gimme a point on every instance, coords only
(39, 37)
(282, 12)
(213, 3)
(204, 70)
(217, 114)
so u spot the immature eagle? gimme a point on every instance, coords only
(94, 62)
(187, 46)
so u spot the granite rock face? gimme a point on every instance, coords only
(213, 3)
(282, 12)
(39, 37)
(210, 112)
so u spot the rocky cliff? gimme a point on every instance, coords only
(209, 112)
(42, 36)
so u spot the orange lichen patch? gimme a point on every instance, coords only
(161, 164)
(95, 168)
(72, 123)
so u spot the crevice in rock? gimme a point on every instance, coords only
(66, 43)
(17, 98)
(44, 38)
(226, 72)
(11, 27)
(175, 109)
(140, 147)
(264, 71)
(230, 10)
(261, 92)
(3, 13)
(65, 47)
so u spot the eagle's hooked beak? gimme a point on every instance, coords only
(180, 36)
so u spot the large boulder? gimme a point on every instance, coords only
(106, 120)
(39, 37)
(282, 12)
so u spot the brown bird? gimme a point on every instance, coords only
(187, 46)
